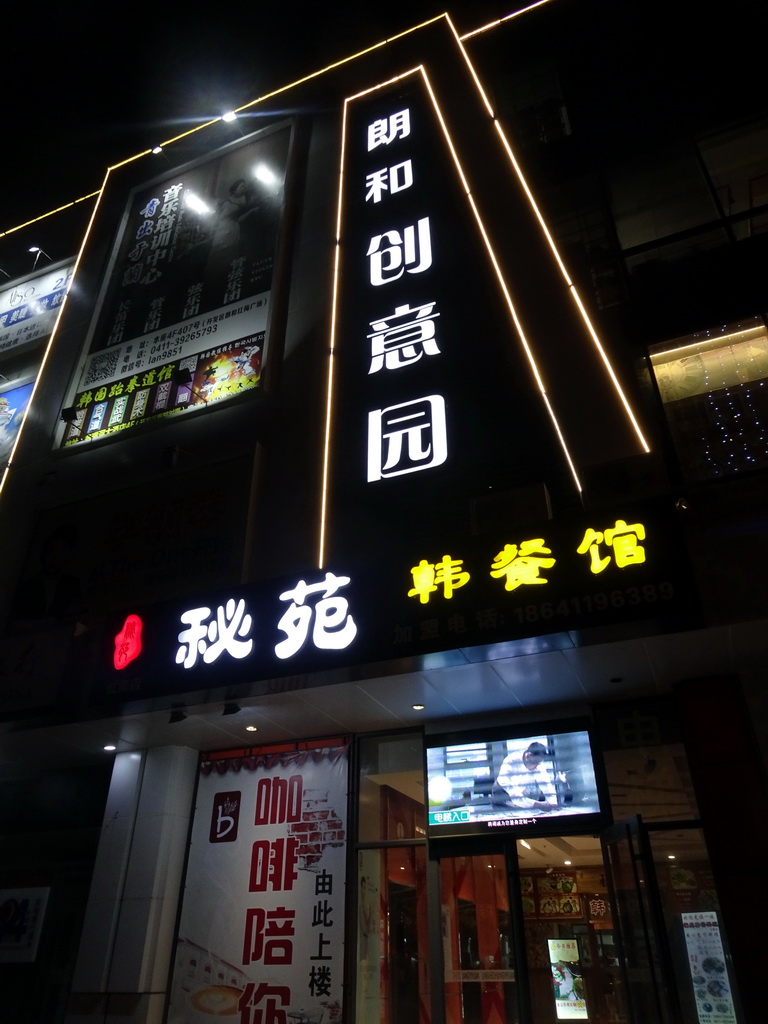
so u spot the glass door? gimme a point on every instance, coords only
(529, 935)
(478, 946)
(645, 960)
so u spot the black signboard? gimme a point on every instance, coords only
(543, 583)
(434, 400)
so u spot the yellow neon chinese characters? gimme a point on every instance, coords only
(522, 564)
(623, 538)
(428, 577)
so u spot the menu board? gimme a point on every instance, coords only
(706, 961)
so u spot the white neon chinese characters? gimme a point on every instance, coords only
(211, 635)
(387, 129)
(403, 337)
(394, 252)
(407, 437)
(393, 179)
(333, 628)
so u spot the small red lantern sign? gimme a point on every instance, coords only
(128, 642)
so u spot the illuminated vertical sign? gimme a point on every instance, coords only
(432, 404)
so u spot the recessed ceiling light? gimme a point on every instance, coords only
(567, 862)
(229, 116)
(251, 728)
(670, 856)
(417, 707)
(110, 746)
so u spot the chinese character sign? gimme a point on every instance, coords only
(261, 932)
(184, 316)
(434, 403)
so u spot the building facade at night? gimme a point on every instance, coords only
(382, 528)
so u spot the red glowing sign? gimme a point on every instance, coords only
(128, 642)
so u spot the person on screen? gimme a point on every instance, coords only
(523, 782)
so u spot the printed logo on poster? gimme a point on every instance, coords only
(225, 817)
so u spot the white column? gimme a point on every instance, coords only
(126, 943)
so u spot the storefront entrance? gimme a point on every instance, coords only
(613, 930)
(528, 935)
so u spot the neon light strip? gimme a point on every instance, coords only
(550, 241)
(500, 277)
(50, 213)
(500, 21)
(48, 347)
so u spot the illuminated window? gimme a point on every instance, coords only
(714, 386)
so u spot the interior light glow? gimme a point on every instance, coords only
(251, 728)
(229, 116)
(713, 342)
(157, 149)
(417, 707)
(568, 862)
(525, 843)
(110, 746)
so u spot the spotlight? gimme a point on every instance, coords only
(229, 116)
(38, 253)
(157, 149)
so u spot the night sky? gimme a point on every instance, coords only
(95, 83)
(88, 84)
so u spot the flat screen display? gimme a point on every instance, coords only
(542, 781)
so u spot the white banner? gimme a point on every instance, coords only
(261, 933)
(28, 309)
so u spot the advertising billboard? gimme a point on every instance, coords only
(261, 931)
(28, 308)
(13, 405)
(182, 319)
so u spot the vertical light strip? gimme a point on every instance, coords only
(48, 347)
(603, 355)
(334, 316)
(503, 284)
